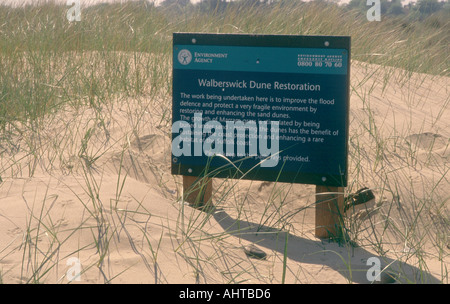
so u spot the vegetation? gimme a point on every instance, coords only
(118, 53)
(36, 41)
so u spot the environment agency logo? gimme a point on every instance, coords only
(184, 57)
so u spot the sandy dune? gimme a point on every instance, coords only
(98, 188)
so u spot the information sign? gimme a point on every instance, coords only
(262, 107)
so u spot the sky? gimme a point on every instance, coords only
(9, 2)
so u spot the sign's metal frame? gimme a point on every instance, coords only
(284, 41)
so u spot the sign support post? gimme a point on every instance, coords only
(329, 209)
(197, 191)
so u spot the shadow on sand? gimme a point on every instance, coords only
(349, 261)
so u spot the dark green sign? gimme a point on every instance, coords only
(263, 107)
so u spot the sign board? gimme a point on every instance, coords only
(262, 107)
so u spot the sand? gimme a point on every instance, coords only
(97, 195)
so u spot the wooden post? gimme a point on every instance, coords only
(329, 209)
(197, 191)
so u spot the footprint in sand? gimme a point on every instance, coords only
(428, 141)
(431, 148)
(145, 159)
(150, 144)
(14, 232)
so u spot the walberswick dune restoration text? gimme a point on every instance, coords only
(243, 84)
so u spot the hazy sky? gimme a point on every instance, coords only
(119, 1)
(58, 1)
(61, 1)
(89, 1)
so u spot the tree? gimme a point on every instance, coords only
(428, 7)
(395, 8)
(177, 3)
(213, 5)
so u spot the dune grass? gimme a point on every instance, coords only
(50, 66)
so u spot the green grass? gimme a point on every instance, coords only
(53, 71)
(47, 61)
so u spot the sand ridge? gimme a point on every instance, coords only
(98, 187)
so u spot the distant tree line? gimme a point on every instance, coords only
(395, 7)
(421, 8)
